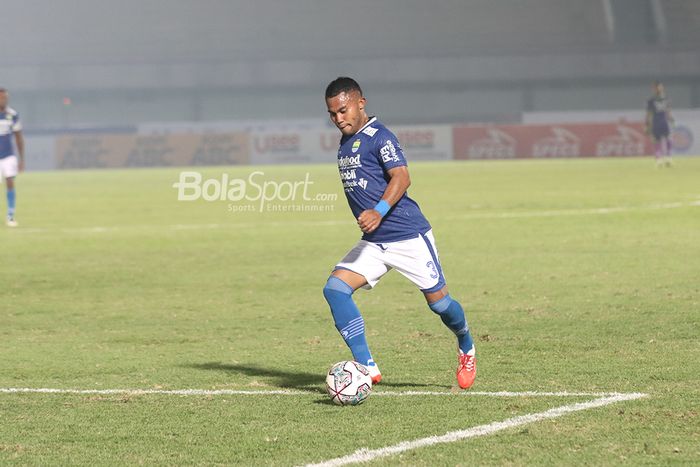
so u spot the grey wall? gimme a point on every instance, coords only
(127, 62)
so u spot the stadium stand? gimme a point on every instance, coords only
(387, 28)
(682, 19)
(486, 61)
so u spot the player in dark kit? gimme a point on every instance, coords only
(396, 235)
(659, 122)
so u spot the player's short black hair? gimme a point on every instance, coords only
(340, 85)
(2, 89)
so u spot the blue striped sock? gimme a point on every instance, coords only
(347, 317)
(452, 315)
(11, 199)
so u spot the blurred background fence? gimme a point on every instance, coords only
(110, 75)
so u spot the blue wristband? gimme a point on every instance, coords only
(382, 208)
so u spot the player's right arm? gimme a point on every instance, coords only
(399, 182)
(393, 162)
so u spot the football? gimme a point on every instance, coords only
(348, 383)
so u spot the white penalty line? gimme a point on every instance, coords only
(366, 455)
(289, 392)
(579, 212)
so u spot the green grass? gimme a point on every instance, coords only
(108, 284)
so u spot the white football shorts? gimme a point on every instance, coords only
(8, 167)
(416, 259)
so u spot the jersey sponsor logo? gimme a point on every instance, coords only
(7, 125)
(626, 142)
(363, 183)
(348, 175)
(660, 105)
(5, 128)
(388, 152)
(370, 131)
(355, 146)
(348, 185)
(498, 145)
(562, 143)
(349, 162)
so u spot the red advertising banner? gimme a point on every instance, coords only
(547, 141)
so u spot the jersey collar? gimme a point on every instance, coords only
(369, 122)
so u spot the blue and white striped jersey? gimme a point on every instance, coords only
(9, 124)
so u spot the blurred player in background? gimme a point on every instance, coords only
(10, 165)
(396, 235)
(659, 122)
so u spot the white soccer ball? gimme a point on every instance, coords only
(348, 383)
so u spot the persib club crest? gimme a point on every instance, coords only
(355, 146)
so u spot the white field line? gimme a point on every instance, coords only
(579, 212)
(366, 455)
(289, 392)
(476, 216)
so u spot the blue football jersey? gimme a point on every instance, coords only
(9, 123)
(364, 160)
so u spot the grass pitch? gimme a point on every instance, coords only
(576, 275)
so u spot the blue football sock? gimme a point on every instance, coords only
(452, 314)
(348, 320)
(11, 197)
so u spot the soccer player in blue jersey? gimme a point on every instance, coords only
(659, 122)
(396, 235)
(10, 165)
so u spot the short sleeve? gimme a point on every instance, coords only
(389, 151)
(16, 124)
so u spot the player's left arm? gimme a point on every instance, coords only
(19, 140)
(399, 181)
(648, 118)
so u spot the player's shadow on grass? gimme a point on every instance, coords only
(285, 379)
(282, 379)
